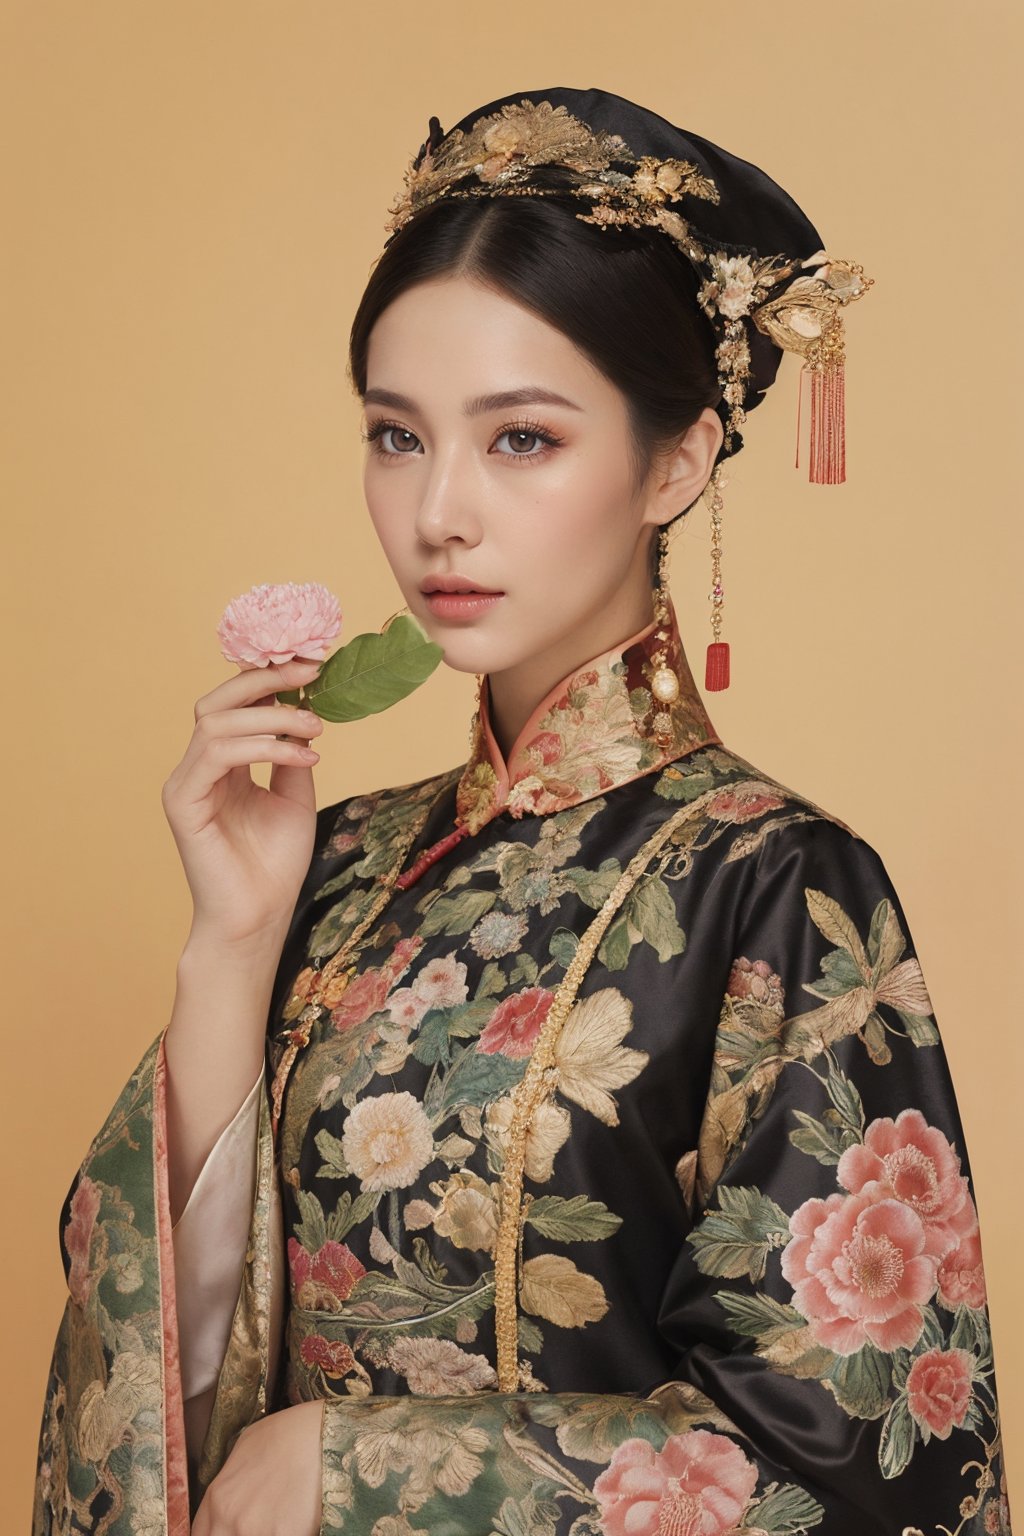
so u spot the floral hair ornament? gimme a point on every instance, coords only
(635, 170)
(272, 623)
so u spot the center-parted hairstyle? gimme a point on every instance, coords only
(700, 318)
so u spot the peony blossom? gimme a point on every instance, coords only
(861, 1269)
(387, 1140)
(515, 1024)
(914, 1162)
(272, 623)
(698, 1484)
(939, 1390)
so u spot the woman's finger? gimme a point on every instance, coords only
(256, 685)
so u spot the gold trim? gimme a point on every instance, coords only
(537, 1083)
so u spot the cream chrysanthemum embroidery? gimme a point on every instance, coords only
(387, 1141)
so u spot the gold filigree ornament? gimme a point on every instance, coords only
(502, 155)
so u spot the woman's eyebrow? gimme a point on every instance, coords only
(528, 394)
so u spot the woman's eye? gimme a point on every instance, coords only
(516, 436)
(380, 430)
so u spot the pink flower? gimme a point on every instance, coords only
(914, 1162)
(323, 1280)
(743, 804)
(274, 622)
(861, 1268)
(698, 1484)
(332, 1356)
(85, 1206)
(364, 995)
(547, 747)
(962, 1274)
(406, 1007)
(515, 1023)
(939, 1390)
(442, 982)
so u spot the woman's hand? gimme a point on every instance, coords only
(270, 1484)
(245, 849)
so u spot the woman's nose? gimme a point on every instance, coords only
(448, 501)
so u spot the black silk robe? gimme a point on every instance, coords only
(610, 1173)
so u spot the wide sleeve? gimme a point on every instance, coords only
(210, 1239)
(114, 1453)
(827, 1313)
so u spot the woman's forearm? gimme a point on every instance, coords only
(214, 1044)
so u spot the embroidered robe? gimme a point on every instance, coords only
(608, 1174)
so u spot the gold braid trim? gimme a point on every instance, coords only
(538, 1083)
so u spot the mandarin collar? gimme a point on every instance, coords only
(590, 733)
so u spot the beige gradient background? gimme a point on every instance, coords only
(192, 197)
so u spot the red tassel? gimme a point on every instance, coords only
(828, 426)
(716, 673)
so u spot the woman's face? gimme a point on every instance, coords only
(475, 470)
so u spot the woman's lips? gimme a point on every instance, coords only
(461, 605)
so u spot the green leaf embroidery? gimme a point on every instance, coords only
(759, 1316)
(736, 1239)
(861, 1382)
(650, 908)
(783, 1511)
(577, 1219)
(896, 1441)
(334, 1164)
(456, 914)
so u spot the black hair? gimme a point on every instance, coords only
(625, 298)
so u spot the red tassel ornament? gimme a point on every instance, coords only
(716, 674)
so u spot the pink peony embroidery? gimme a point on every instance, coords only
(364, 996)
(743, 803)
(962, 1275)
(861, 1269)
(914, 1162)
(939, 1390)
(515, 1023)
(332, 1356)
(321, 1281)
(274, 622)
(85, 1206)
(698, 1484)
(442, 982)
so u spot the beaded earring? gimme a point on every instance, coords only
(716, 675)
(664, 681)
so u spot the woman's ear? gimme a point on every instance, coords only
(680, 474)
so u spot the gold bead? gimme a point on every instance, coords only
(665, 685)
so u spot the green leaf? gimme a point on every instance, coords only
(615, 947)
(348, 1213)
(374, 671)
(783, 1510)
(594, 886)
(334, 1164)
(816, 1138)
(311, 1231)
(456, 914)
(574, 1220)
(563, 946)
(651, 909)
(896, 1440)
(476, 1077)
(737, 1239)
(861, 1382)
(759, 1316)
(920, 1028)
(846, 1098)
(492, 980)
(528, 1332)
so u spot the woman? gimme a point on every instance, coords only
(563, 1141)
